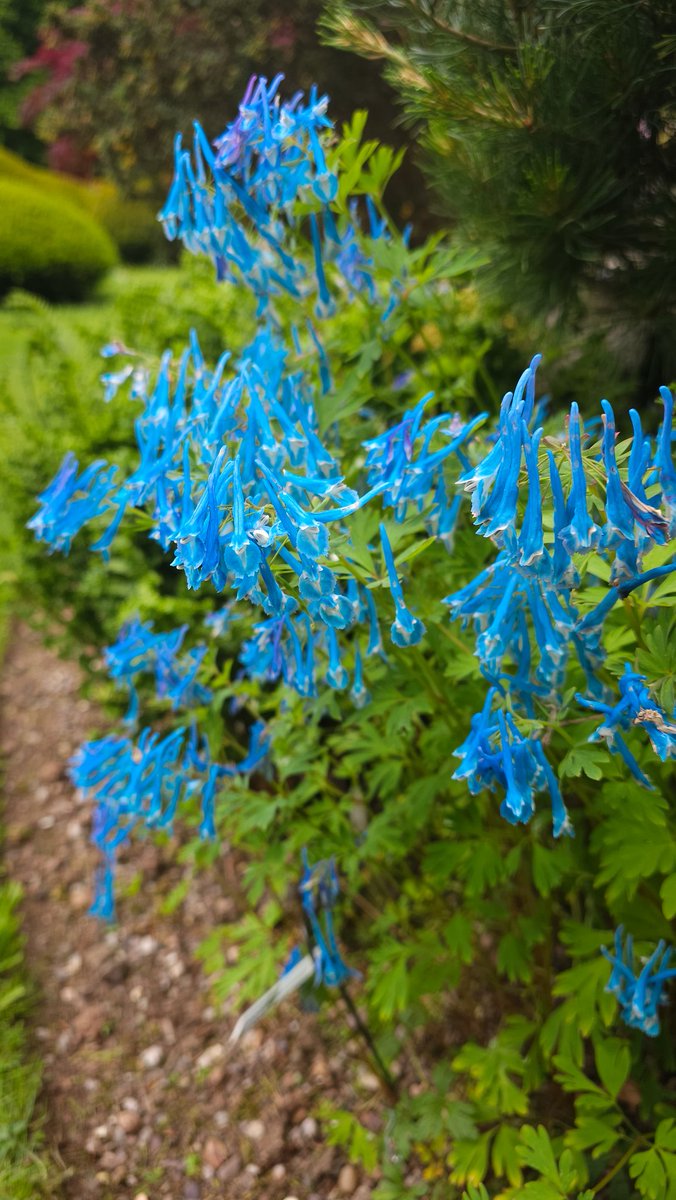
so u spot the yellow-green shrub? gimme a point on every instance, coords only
(49, 246)
(131, 223)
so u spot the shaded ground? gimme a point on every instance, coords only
(143, 1097)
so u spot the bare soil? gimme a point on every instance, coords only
(143, 1098)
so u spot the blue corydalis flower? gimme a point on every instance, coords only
(235, 201)
(639, 994)
(665, 460)
(581, 533)
(635, 707)
(71, 501)
(406, 630)
(496, 754)
(319, 892)
(140, 650)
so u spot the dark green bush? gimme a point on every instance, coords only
(48, 246)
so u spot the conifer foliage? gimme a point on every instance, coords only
(549, 128)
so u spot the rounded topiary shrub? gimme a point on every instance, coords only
(49, 246)
(132, 224)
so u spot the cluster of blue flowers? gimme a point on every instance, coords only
(635, 707)
(521, 605)
(639, 995)
(139, 650)
(237, 201)
(144, 782)
(247, 495)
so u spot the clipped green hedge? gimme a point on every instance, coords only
(131, 224)
(49, 246)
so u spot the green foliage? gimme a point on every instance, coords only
(479, 943)
(49, 247)
(548, 135)
(25, 1173)
(131, 224)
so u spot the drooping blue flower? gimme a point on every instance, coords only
(639, 993)
(319, 892)
(635, 707)
(71, 501)
(665, 459)
(580, 534)
(138, 649)
(406, 630)
(497, 755)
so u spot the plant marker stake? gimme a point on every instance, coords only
(294, 979)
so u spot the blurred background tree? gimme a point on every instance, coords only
(19, 21)
(138, 70)
(549, 135)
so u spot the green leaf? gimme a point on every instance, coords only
(597, 1134)
(504, 1159)
(591, 761)
(469, 1160)
(649, 1171)
(571, 1078)
(613, 1062)
(665, 1135)
(668, 894)
(536, 1151)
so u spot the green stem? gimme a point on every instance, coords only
(386, 1078)
(618, 1165)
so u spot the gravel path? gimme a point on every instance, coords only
(143, 1098)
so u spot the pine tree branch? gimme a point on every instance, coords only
(461, 35)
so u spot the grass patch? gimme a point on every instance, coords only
(25, 1170)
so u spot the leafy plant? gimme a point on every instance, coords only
(309, 477)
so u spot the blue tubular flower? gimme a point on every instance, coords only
(139, 649)
(639, 996)
(237, 205)
(242, 556)
(336, 675)
(619, 519)
(358, 692)
(401, 464)
(144, 783)
(531, 539)
(494, 482)
(406, 630)
(517, 805)
(319, 892)
(581, 533)
(665, 460)
(635, 707)
(112, 381)
(496, 754)
(69, 502)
